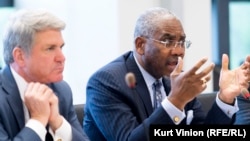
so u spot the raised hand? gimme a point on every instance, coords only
(233, 81)
(188, 84)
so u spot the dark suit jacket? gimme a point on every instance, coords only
(12, 124)
(114, 112)
(243, 115)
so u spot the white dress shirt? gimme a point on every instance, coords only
(64, 132)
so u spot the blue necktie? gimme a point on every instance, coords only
(157, 93)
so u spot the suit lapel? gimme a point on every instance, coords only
(15, 104)
(166, 84)
(13, 96)
(141, 87)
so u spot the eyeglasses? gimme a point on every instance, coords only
(173, 44)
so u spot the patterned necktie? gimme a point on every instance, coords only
(157, 93)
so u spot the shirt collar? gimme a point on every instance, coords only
(20, 82)
(147, 77)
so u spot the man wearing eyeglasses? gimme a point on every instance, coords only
(134, 91)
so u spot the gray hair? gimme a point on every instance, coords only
(146, 23)
(22, 27)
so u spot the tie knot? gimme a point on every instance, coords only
(157, 84)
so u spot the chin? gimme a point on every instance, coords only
(57, 79)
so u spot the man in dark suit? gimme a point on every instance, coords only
(35, 102)
(243, 115)
(119, 111)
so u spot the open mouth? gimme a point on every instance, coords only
(172, 64)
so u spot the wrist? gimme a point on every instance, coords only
(225, 99)
(56, 123)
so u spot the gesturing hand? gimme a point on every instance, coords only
(188, 84)
(233, 81)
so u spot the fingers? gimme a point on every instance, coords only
(231, 82)
(188, 82)
(204, 74)
(225, 62)
(179, 67)
(248, 58)
(38, 90)
(37, 99)
(198, 66)
(204, 80)
(246, 67)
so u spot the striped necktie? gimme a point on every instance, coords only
(157, 93)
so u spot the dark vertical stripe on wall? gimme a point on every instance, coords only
(6, 3)
(220, 13)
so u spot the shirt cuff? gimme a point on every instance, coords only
(64, 132)
(229, 110)
(176, 115)
(37, 127)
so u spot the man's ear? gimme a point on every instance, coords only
(140, 45)
(18, 56)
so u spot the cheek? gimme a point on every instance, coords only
(153, 59)
(152, 51)
(161, 55)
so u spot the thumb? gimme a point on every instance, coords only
(225, 62)
(178, 67)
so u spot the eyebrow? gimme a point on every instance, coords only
(172, 36)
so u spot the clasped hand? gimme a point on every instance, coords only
(42, 105)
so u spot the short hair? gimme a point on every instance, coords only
(146, 23)
(22, 27)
